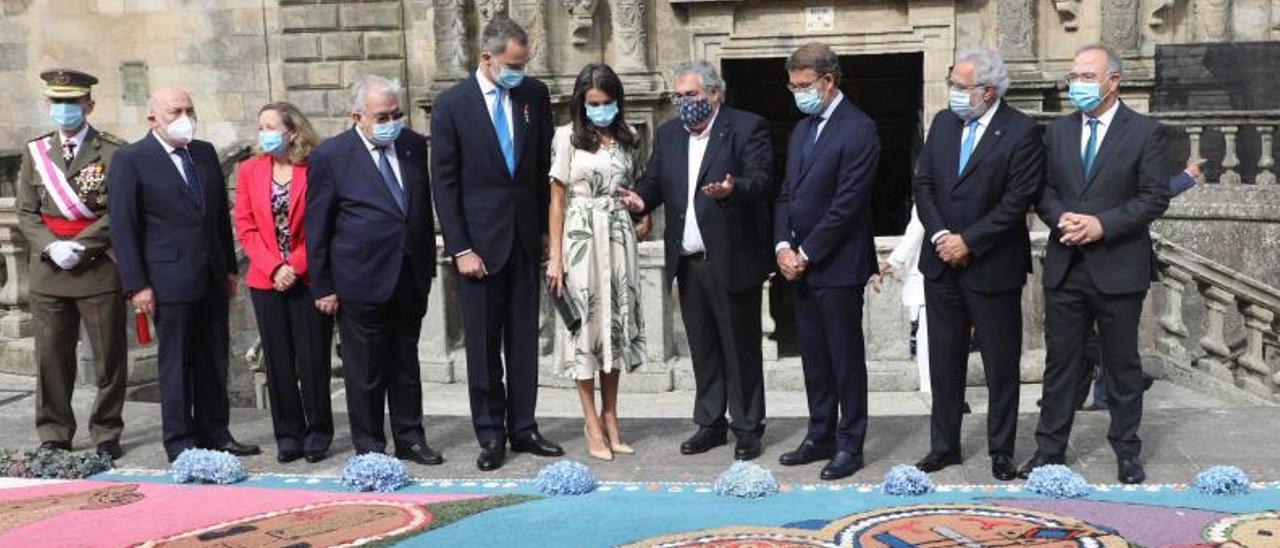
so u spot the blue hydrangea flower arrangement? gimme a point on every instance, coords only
(374, 472)
(1222, 481)
(906, 481)
(746, 480)
(205, 466)
(1057, 481)
(566, 477)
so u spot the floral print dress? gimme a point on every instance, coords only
(601, 268)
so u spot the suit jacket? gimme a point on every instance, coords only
(357, 236)
(96, 274)
(482, 206)
(163, 238)
(824, 208)
(987, 203)
(735, 229)
(255, 222)
(1129, 188)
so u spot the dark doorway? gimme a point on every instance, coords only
(888, 87)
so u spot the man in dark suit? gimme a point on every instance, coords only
(1107, 180)
(171, 232)
(371, 251)
(712, 168)
(825, 245)
(490, 156)
(980, 171)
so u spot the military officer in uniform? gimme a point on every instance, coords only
(62, 201)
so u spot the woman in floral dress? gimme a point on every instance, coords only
(592, 252)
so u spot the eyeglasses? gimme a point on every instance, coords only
(677, 98)
(1073, 77)
(801, 87)
(388, 116)
(952, 84)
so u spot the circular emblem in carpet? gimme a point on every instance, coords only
(968, 525)
(1245, 530)
(336, 523)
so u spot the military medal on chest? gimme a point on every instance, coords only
(91, 182)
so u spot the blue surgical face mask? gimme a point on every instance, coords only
(1086, 96)
(67, 116)
(386, 133)
(271, 142)
(809, 101)
(602, 115)
(509, 78)
(961, 103)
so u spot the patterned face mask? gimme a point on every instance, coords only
(693, 112)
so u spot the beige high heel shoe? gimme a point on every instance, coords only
(614, 445)
(603, 454)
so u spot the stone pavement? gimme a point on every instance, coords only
(1184, 432)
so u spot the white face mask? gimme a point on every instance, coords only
(181, 131)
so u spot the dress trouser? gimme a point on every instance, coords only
(296, 342)
(57, 331)
(833, 354)
(380, 365)
(193, 344)
(724, 331)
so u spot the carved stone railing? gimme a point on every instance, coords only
(1231, 350)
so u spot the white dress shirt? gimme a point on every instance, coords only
(1104, 123)
(78, 138)
(984, 122)
(692, 242)
(490, 91)
(173, 155)
(376, 154)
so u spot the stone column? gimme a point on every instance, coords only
(1016, 24)
(1120, 25)
(451, 40)
(629, 44)
(1212, 20)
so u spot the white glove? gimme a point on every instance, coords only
(65, 254)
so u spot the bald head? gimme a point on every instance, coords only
(168, 105)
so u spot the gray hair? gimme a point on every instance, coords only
(817, 56)
(1114, 65)
(498, 32)
(988, 68)
(708, 76)
(371, 83)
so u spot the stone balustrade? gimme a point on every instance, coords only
(1259, 128)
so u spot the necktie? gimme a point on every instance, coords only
(1091, 148)
(811, 136)
(189, 172)
(69, 151)
(504, 135)
(389, 178)
(966, 146)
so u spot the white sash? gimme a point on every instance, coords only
(56, 183)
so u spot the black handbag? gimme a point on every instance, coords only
(568, 309)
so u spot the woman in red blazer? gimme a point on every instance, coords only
(270, 191)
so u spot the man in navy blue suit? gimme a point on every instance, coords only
(825, 246)
(171, 231)
(490, 156)
(981, 169)
(371, 251)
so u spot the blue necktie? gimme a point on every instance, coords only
(504, 136)
(389, 177)
(811, 136)
(189, 173)
(966, 146)
(1091, 148)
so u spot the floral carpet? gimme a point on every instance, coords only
(129, 507)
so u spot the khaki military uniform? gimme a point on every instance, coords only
(89, 292)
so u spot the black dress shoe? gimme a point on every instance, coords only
(1131, 472)
(110, 449)
(492, 455)
(317, 455)
(749, 447)
(705, 439)
(536, 444)
(421, 454)
(1002, 468)
(1037, 461)
(55, 446)
(934, 462)
(285, 457)
(843, 465)
(239, 449)
(808, 451)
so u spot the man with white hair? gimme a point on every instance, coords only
(980, 171)
(371, 255)
(171, 232)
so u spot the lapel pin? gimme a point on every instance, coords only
(997, 133)
(526, 113)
